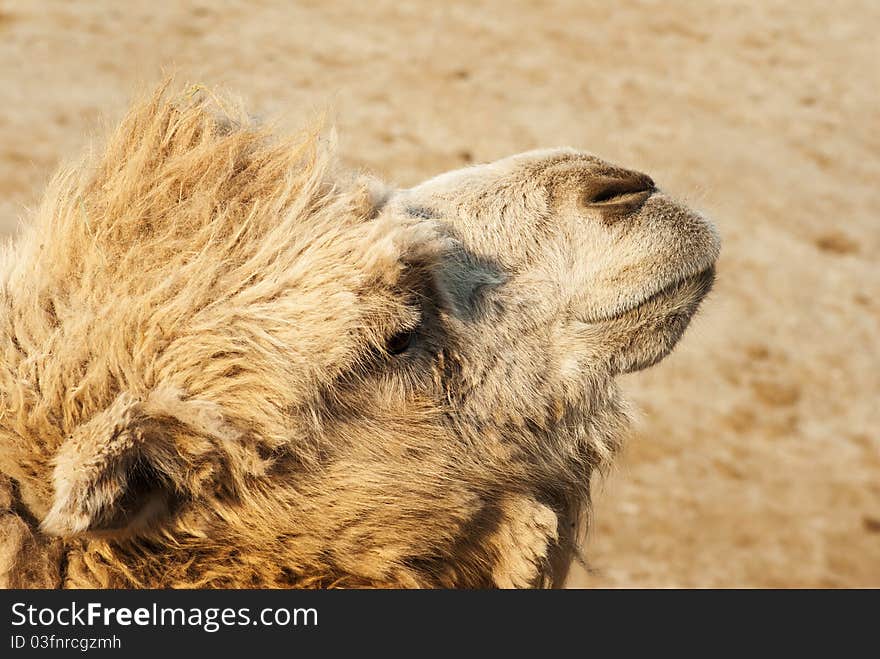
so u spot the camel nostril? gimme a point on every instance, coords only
(608, 190)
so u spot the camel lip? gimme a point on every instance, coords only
(702, 279)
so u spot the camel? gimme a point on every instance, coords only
(229, 362)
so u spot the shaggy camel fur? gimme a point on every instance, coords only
(227, 363)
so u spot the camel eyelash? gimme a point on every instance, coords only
(401, 342)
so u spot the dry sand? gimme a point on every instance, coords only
(756, 457)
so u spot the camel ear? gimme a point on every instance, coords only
(119, 473)
(463, 278)
(105, 480)
(376, 194)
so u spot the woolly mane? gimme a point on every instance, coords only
(146, 261)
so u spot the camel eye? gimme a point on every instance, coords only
(400, 342)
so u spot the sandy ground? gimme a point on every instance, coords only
(756, 457)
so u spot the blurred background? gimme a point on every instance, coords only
(755, 457)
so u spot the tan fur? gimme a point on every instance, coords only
(198, 387)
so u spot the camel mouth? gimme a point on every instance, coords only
(682, 296)
(677, 299)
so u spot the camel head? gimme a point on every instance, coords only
(228, 362)
(568, 255)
